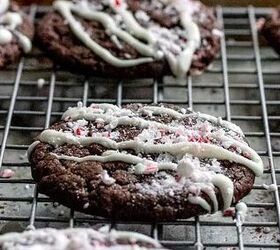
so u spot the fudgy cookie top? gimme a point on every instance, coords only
(77, 239)
(141, 31)
(12, 25)
(163, 150)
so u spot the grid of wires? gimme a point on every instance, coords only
(242, 86)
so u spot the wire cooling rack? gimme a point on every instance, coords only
(241, 86)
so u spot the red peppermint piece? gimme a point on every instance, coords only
(230, 212)
(199, 139)
(78, 131)
(7, 173)
(203, 139)
(178, 178)
(118, 3)
(247, 155)
(192, 139)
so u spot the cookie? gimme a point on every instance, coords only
(131, 38)
(143, 162)
(270, 29)
(77, 239)
(16, 33)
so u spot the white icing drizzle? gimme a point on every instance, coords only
(131, 24)
(180, 150)
(4, 6)
(200, 201)
(241, 210)
(226, 188)
(181, 64)
(5, 36)
(134, 34)
(9, 21)
(270, 188)
(111, 156)
(24, 41)
(212, 195)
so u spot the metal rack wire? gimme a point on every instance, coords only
(242, 86)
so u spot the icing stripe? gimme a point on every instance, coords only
(112, 156)
(226, 188)
(31, 148)
(9, 22)
(200, 201)
(6, 36)
(183, 63)
(212, 195)
(24, 41)
(131, 24)
(4, 6)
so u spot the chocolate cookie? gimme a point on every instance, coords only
(77, 239)
(16, 33)
(131, 38)
(143, 162)
(270, 29)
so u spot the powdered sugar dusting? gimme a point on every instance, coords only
(193, 176)
(163, 184)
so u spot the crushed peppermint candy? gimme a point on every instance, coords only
(118, 3)
(79, 127)
(7, 173)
